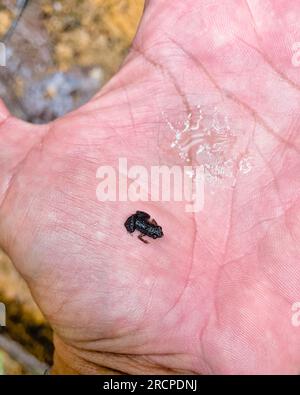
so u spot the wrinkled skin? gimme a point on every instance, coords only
(215, 294)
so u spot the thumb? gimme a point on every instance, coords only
(17, 138)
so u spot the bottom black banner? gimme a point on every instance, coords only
(134, 384)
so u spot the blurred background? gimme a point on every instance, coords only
(59, 54)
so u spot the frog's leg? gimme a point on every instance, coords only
(153, 222)
(141, 237)
(130, 224)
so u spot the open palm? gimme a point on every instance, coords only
(215, 294)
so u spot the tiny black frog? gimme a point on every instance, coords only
(141, 221)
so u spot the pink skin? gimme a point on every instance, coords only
(215, 294)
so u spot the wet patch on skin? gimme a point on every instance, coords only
(206, 137)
